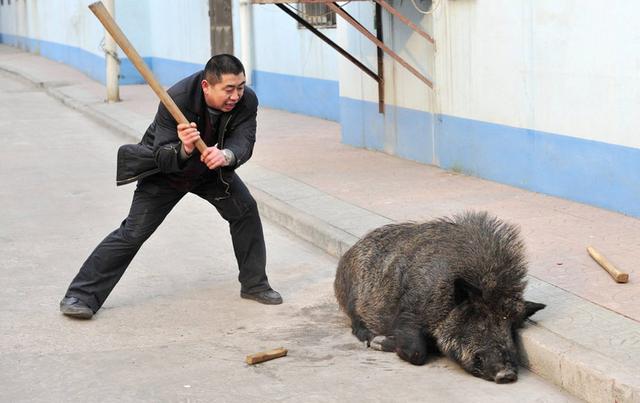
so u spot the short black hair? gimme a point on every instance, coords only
(222, 64)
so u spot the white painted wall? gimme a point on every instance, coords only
(354, 83)
(135, 21)
(169, 29)
(66, 22)
(280, 47)
(177, 30)
(402, 88)
(567, 67)
(180, 30)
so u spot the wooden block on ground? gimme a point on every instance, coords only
(266, 355)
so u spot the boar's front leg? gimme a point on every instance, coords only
(411, 344)
(380, 343)
(360, 330)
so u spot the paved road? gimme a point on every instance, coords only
(175, 328)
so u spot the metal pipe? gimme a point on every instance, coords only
(246, 36)
(380, 53)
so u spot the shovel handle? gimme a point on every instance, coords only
(119, 37)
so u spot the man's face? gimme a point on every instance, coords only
(226, 93)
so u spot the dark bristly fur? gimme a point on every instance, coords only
(452, 284)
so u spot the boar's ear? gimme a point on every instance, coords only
(463, 291)
(531, 307)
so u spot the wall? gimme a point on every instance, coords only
(405, 128)
(293, 70)
(541, 95)
(289, 68)
(58, 30)
(68, 32)
(179, 36)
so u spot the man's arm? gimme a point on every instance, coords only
(238, 143)
(188, 135)
(166, 143)
(242, 137)
(173, 144)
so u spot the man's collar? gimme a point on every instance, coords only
(214, 112)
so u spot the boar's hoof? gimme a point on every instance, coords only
(506, 376)
(383, 343)
(361, 332)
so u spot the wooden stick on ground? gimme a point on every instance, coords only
(618, 276)
(266, 355)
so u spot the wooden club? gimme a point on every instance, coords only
(110, 25)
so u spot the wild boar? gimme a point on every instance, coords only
(450, 285)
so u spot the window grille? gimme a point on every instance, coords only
(317, 14)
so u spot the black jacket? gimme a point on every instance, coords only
(158, 150)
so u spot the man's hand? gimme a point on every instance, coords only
(213, 158)
(188, 134)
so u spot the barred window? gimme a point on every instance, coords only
(317, 14)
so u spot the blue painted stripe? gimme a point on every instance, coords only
(310, 96)
(414, 141)
(87, 62)
(592, 172)
(364, 126)
(166, 71)
(361, 124)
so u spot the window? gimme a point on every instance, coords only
(317, 14)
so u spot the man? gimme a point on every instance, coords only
(167, 165)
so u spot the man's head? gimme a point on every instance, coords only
(223, 83)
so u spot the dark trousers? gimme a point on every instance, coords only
(152, 201)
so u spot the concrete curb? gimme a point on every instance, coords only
(323, 235)
(585, 373)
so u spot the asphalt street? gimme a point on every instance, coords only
(175, 328)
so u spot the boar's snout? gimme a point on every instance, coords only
(506, 375)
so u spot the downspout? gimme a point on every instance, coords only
(113, 65)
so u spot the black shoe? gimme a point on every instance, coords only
(72, 306)
(268, 297)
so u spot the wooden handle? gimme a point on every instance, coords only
(613, 271)
(266, 356)
(116, 33)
